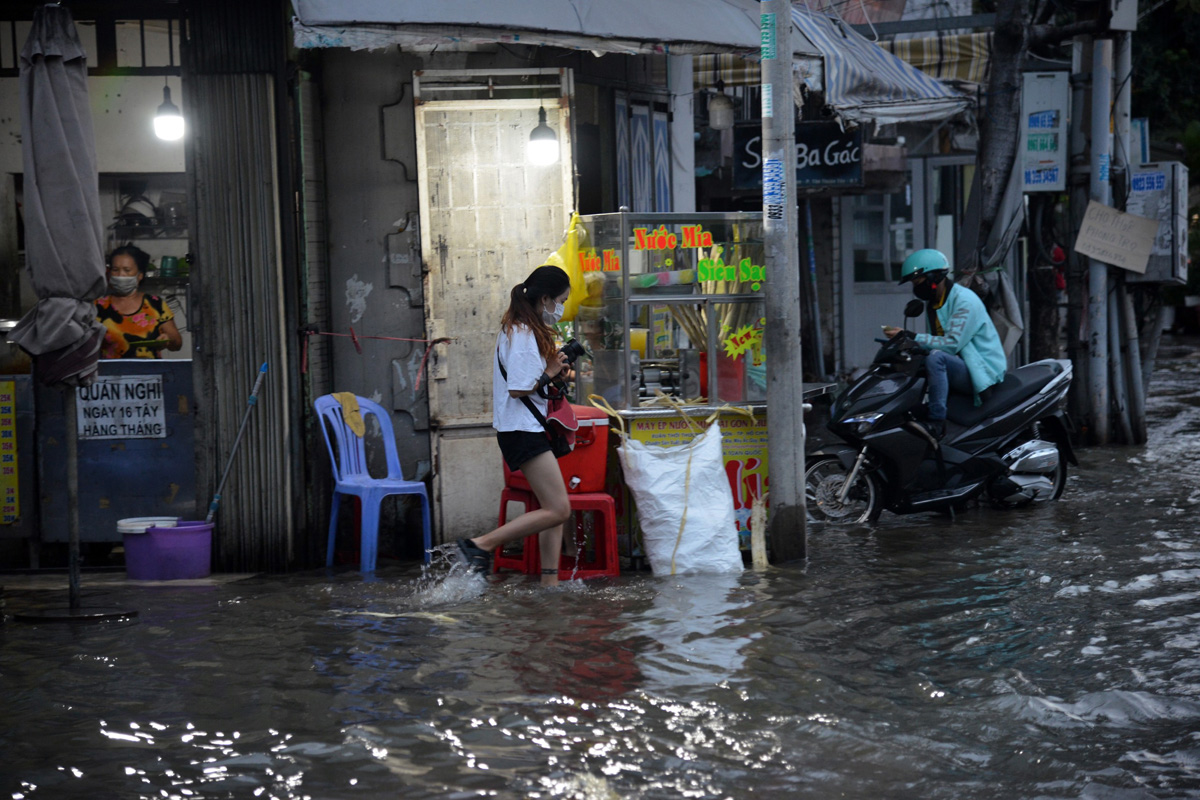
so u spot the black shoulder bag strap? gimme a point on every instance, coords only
(539, 416)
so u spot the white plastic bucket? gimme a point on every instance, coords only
(140, 524)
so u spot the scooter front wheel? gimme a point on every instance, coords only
(823, 482)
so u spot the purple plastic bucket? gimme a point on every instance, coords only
(168, 554)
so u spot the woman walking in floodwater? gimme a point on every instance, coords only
(526, 361)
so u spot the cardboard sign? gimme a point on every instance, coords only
(1116, 238)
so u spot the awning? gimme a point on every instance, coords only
(960, 57)
(865, 83)
(678, 27)
(725, 68)
(859, 80)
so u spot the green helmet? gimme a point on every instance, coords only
(922, 262)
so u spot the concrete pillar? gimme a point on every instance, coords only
(1099, 191)
(785, 388)
(683, 130)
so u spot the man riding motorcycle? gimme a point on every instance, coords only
(967, 356)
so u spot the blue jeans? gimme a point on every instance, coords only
(946, 372)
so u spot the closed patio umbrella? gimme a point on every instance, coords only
(64, 235)
(64, 244)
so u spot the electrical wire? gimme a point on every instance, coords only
(862, 4)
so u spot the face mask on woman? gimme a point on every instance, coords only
(123, 285)
(552, 317)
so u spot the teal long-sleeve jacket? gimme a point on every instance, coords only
(969, 334)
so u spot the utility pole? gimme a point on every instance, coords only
(1097, 296)
(1123, 163)
(785, 386)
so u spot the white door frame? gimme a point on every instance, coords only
(467, 470)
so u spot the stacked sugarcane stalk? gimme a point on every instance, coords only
(730, 316)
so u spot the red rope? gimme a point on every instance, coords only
(354, 337)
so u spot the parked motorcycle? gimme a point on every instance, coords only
(1013, 449)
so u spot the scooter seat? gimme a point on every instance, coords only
(1017, 386)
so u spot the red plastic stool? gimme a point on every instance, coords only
(527, 560)
(604, 559)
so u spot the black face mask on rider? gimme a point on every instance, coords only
(925, 290)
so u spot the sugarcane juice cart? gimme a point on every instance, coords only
(675, 307)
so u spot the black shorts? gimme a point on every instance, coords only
(517, 447)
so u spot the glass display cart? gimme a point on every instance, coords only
(675, 304)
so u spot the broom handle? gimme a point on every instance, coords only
(250, 403)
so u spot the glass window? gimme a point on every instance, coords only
(949, 191)
(129, 43)
(882, 235)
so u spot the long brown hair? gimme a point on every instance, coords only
(524, 305)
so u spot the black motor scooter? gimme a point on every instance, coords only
(1013, 449)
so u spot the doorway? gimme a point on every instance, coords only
(488, 218)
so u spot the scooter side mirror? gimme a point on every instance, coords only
(915, 308)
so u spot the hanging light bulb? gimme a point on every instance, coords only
(720, 109)
(168, 121)
(543, 143)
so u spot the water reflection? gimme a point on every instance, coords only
(694, 631)
(1050, 652)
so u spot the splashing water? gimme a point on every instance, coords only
(445, 580)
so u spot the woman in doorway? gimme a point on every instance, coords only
(137, 325)
(526, 361)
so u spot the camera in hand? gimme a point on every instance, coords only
(572, 350)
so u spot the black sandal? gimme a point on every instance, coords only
(549, 572)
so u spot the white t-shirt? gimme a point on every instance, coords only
(524, 365)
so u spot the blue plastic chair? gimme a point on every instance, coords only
(351, 476)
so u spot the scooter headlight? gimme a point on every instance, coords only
(864, 422)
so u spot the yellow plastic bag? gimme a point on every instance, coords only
(567, 259)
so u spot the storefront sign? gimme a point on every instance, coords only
(122, 407)
(10, 505)
(1159, 191)
(714, 269)
(608, 261)
(1043, 151)
(825, 156)
(689, 236)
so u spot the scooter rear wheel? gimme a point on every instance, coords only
(823, 482)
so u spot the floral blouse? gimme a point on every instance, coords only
(130, 336)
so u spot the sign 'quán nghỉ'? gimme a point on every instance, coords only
(1114, 237)
(122, 407)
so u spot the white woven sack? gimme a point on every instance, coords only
(683, 484)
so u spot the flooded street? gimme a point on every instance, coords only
(1051, 652)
